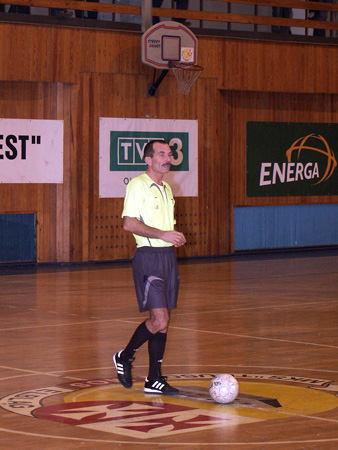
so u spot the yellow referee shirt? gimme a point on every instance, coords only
(153, 205)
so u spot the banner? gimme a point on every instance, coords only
(291, 159)
(122, 143)
(31, 151)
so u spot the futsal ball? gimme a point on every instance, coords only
(223, 388)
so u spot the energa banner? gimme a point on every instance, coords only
(31, 151)
(122, 143)
(291, 159)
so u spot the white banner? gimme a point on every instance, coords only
(122, 143)
(31, 151)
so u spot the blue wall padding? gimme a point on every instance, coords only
(267, 227)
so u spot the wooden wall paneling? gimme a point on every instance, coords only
(22, 52)
(93, 86)
(82, 183)
(35, 55)
(214, 165)
(130, 95)
(97, 94)
(42, 245)
(123, 54)
(66, 190)
(40, 108)
(130, 54)
(42, 228)
(202, 211)
(56, 191)
(334, 108)
(260, 80)
(115, 52)
(205, 219)
(106, 54)
(187, 211)
(207, 227)
(237, 146)
(46, 199)
(50, 252)
(5, 54)
(22, 45)
(42, 53)
(278, 67)
(94, 89)
(44, 66)
(228, 127)
(61, 54)
(71, 51)
(83, 148)
(63, 190)
(105, 221)
(95, 229)
(222, 139)
(74, 201)
(73, 59)
(12, 61)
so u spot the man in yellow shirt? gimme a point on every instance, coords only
(149, 214)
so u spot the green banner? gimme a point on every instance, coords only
(127, 147)
(291, 159)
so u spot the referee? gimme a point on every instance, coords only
(149, 214)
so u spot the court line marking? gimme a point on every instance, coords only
(245, 336)
(168, 444)
(30, 373)
(250, 308)
(49, 325)
(59, 373)
(240, 366)
(101, 320)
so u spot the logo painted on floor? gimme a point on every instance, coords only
(105, 406)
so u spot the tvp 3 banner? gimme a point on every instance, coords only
(122, 143)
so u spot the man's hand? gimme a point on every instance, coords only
(174, 237)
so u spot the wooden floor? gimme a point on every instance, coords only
(269, 320)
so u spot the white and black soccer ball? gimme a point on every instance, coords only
(224, 388)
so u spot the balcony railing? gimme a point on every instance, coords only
(283, 17)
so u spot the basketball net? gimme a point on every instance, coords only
(186, 75)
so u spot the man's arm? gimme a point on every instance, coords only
(135, 226)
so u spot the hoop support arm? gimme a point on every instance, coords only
(151, 88)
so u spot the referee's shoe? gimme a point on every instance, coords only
(159, 385)
(123, 368)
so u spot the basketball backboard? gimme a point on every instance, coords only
(168, 42)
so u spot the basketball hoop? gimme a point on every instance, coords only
(186, 75)
(176, 49)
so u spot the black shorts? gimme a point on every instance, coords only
(156, 277)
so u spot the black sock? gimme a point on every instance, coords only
(156, 347)
(140, 336)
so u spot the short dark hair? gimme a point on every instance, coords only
(149, 148)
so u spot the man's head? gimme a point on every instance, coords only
(149, 148)
(158, 156)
